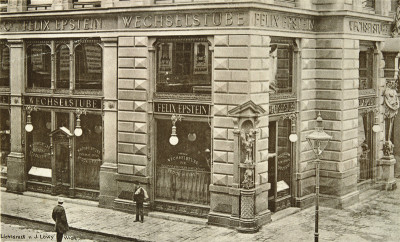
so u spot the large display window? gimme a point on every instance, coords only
(183, 170)
(39, 165)
(4, 136)
(183, 65)
(88, 155)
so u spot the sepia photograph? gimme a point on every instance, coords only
(200, 120)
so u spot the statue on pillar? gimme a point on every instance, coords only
(248, 142)
(391, 104)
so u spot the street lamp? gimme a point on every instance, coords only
(318, 141)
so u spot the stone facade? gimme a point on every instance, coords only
(322, 63)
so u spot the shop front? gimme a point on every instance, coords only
(63, 146)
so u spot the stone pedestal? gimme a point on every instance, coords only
(387, 179)
(16, 181)
(247, 222)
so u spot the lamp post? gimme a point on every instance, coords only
(318, 141)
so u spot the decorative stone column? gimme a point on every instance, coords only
(108, 170)
(16, 174)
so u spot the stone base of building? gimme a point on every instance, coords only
(305, 201)
(16, 173)
(129, 206)
(339, 202)
(108, 185)
(242, 225)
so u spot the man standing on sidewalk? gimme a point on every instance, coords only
(60, 218)
(139, 196)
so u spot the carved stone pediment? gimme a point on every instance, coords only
(247, 110)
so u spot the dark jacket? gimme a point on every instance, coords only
(60, 218)
(139, 195)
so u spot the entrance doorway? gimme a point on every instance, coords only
(279, 165)
(61, 161)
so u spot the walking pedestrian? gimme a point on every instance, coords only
(139, 196)
(60, 218)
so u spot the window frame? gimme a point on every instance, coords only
(54, 46)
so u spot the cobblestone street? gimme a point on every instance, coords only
(375, 219)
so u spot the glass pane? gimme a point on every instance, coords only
(183, 67)
(281, 62)
(366, 66)
(5, 66)
(88, 66)
(62, 67)
(89, 150)
(183, 170)
(364, 151)
(62, 120)
(5, 142)
(38, 142)
(39, 66)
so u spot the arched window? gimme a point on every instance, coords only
(5, 66)
(62, 66)
(39, 66)
(88, 66)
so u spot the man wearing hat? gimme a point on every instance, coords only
(60, 218)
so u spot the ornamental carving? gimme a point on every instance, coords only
(391, 104)
(391, 100)
(248, 139)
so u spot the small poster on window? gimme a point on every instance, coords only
(93, 58)
(165, 58)
(201, 58)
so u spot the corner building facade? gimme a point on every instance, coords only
(205, 103)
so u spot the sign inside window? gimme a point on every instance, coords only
(63, 102)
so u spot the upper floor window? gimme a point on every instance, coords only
(281, 63)
(88, 66)
(85, 58)
(366, 66)
(183, 65)
(5, 66)
(39, 65)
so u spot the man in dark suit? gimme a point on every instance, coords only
(60, 218)
(139, 195)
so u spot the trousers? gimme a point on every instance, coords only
(139, 211)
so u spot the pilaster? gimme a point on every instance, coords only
(16, 174)
(240, 78)
(108, 170)
(133, 128)
(330, 86)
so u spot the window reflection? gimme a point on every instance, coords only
(88, 66)
(62, 67)
(39, 65)
(5, 66)
(184, 66)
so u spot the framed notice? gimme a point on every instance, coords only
(200, 58)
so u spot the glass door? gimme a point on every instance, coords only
(279, 165)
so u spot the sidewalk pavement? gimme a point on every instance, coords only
(377, 218)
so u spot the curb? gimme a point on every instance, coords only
(76, 229)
